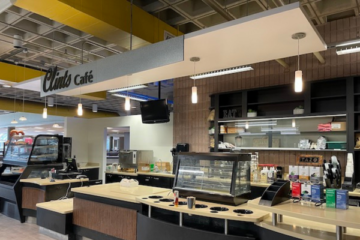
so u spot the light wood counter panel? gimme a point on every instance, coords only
(122, 173)
(336, 217)
(307, 230)
(155, 174)
(260, 184)
(355, 193)
(257, 215)
(46, 181)
(115, 191)
(59, 206)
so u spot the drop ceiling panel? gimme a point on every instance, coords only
(232, 44)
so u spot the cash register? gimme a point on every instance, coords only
(70, 171)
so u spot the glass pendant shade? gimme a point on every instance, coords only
(22, 118)
(127, 104)
(80, 110)
(14, 121)
(298, 81)
(194, 96)
(45, 113)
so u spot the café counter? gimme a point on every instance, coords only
(37, 190)
(145, 213)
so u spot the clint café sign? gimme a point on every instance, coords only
(53, 81)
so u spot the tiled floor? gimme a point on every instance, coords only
(11, 229)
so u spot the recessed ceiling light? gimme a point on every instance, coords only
(37, 131)
(109, 128)
(38, 127)
(6, 86)
(51, 130)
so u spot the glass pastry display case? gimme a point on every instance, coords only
(35, 157)
(24, 150)
(216, 177)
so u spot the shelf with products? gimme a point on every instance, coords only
(280, 133)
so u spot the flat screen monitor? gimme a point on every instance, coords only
(156, 111)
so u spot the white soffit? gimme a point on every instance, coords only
(257, 38)
(31, 84)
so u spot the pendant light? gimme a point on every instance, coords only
(127, 103)
(44, 114)
(23, 118)
(80, 109)
(293, 123)
(127, 99)
(194, 95)
(94, 107)
(298, 86)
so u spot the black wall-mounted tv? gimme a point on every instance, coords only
(156, 111)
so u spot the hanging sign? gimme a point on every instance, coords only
(112, 68)
(53, 80)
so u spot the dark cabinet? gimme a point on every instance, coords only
(91, 173)
(155, 181)
(111, 178)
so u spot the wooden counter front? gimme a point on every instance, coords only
(109, 209)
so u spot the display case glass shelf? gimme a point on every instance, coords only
(45, 149)
(24, 150)
(19, 149)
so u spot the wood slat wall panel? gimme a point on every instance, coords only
(32, 196)
(190, 124)
(105, 218)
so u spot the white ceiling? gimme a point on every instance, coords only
(257, 38)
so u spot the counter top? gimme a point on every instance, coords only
(88, 167)
(115, 191)
(155, 174)
(346, 218)
(257, 215)
(121, 173)
(59, 206)
(307, 230)
(46, 181)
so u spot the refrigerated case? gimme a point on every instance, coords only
(216, 177)
(35, 156)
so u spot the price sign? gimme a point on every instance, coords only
(314, 160)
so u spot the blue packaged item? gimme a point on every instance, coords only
(342, 199)
(317, 192)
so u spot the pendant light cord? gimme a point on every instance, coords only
(24, 90)
(298, 53)
(194, 72)
(131, 37)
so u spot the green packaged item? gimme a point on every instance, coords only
(151, 167)
(331, 198)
